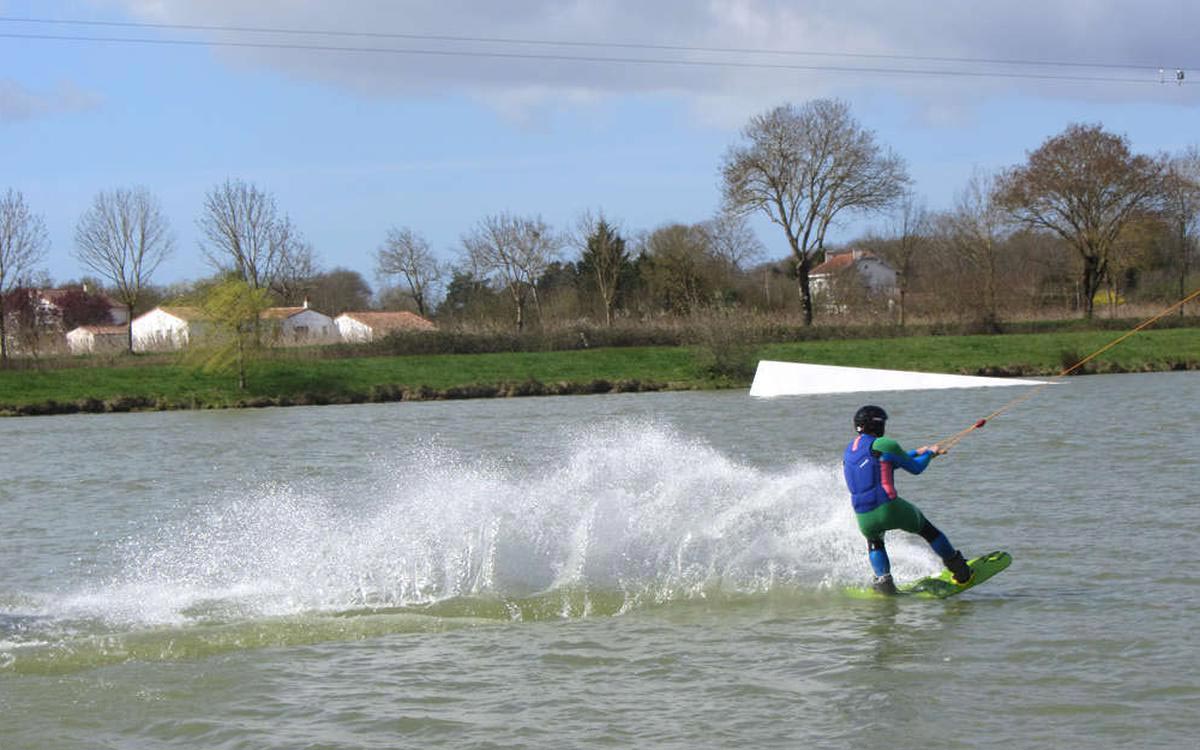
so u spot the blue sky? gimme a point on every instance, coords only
(352, 143)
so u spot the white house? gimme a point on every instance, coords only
(174, 327)
(91, 339)
(873, 273)
(166, 328)
(367, 326)
(300, 325)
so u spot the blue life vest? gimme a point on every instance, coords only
(862, 470)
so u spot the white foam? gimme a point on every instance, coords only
(633, 508)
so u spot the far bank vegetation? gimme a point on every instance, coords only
(1083, 229)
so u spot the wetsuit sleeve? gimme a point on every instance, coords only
(891, 451)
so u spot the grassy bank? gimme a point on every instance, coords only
(291, 380)
(1012, 354)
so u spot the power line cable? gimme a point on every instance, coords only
(576, 58)
(577, 43)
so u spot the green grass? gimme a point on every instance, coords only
(1042, 353)
(444, 371)
(183, 385)
(290, 378)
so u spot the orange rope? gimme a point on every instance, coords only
(953, 440)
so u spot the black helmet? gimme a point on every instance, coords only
(870, 419)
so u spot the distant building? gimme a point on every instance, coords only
(49, 302)
(92, 339)
(166, 328)
(367, 326)
(300, 325)
(869, 271)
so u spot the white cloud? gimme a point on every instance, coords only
(837, 36)
(20, 103)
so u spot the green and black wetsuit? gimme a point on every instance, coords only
(869, 465)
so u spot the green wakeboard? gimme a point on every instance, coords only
(942, 585)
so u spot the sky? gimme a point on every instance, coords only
(363, 115)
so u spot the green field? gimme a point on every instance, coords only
(293, 380)
(1029, 354)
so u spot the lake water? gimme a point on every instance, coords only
(640, 570)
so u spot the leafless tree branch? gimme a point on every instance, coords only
(124, 237)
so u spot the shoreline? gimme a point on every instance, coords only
(299, 379)
(381, 395)
(390, 393)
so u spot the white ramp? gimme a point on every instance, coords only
(795, 378)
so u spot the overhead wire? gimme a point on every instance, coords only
(577, 43)
(578, 58)
(562, 57)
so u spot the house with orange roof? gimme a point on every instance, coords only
(358, 327)
(868, 270)
(292, 326)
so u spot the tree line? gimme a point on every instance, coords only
(1083, 219)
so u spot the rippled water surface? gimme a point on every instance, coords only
(641, 570)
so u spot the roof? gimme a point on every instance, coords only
(835, 263)
(391, 321)
(282, 313)
(182, 312)
(841, 262)
(53, 296)
(103, 330)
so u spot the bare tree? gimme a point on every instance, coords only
(247, 236)
(805, 166)
(1182, 209)
(908, 234)
(299, 270)
(679, 268)
(514, 251)
(23, 242)
(406, 254)
(978, 226)
(603, 256)
(732, 240)
(1084, 185)
(340, 290)
(124, 237)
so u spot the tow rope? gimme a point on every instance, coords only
(950, 442)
